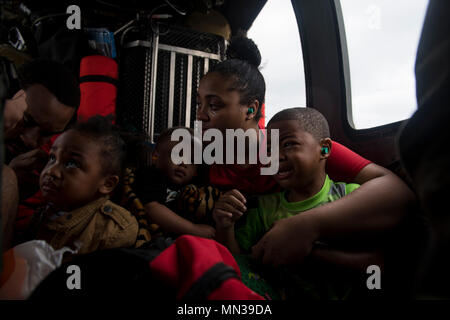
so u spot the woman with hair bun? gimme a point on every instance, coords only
(231, 96)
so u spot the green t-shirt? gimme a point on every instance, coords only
(273, 207)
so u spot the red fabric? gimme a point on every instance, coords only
(97, 98)
(343, 164)
(26, 210)
(250, 180)
(247, 180)
(262, 120)
(186, 260)
(46, 147)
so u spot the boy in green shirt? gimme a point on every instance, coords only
(304, 146)
(274, 207)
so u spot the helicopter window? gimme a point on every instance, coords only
(282, 59)
(382, 39)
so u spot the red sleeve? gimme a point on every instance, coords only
(343, 164)
(25, 212)
(262, 120)
(46, 147)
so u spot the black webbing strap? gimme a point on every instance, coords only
(210, 281)
(98, 78)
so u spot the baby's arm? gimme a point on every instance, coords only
(169, 221)
(227, 210)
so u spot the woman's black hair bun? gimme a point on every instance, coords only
(243, 48)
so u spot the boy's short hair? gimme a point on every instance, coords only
(166, 135)
(311, 121)
(113, 148)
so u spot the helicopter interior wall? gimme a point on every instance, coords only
(239, 14)
(324, 54)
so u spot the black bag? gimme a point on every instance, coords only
(55, 41)
(110, 273)
(189, 268)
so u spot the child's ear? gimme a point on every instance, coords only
(325, 148)
(108, 185)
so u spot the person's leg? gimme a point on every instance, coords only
(10, 200)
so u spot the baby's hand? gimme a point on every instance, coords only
(205, 231)
(229, 208)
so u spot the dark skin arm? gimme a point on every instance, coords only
(24, 166)
(228, 209)
(349, 260)
(376, 207)
(10, 200)
(171, 222)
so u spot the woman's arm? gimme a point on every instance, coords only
(377, 206)
(10, 201)
(349, 260)
(169, 221)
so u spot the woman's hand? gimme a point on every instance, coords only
(33, 160)
(26, 166)
(288, 242)
(229, 208)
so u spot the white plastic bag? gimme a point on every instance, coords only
(26, 265)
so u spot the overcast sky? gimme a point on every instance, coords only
(382, 39)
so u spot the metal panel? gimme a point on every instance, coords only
(171, 89)
(151, 118)
(197, 53)
(138, 43)
(160, 90)
(190, 52)
(147, 85)
(162, 93)
(206, 66)
(188, 92)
